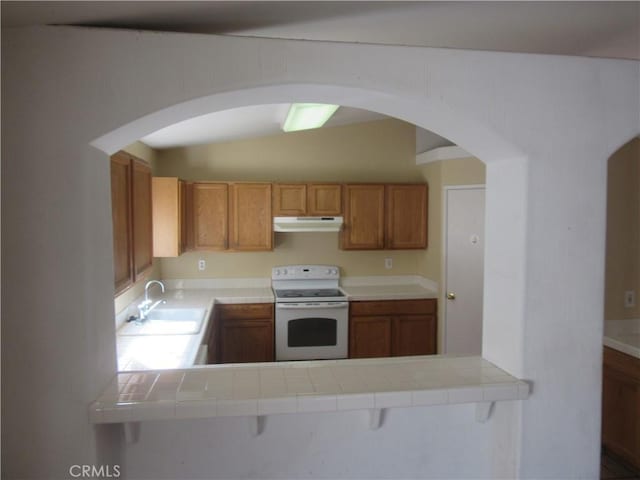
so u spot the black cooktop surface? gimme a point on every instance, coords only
(312, 292)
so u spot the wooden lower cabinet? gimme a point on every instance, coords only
(245, 333)
(370, 336)
(621, 405)
(392, 328)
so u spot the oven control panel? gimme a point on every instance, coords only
(306, 272)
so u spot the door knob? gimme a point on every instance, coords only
(451, 296)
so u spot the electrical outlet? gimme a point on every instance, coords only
(629, 299)
(388, 263)
(202, 264)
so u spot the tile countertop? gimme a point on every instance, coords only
(142, 352)
(623, 335)
(180, 351)
(305, 386)
(402, 287)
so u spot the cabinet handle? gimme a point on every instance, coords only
(451, 296)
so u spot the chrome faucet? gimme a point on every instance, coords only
(146, 306)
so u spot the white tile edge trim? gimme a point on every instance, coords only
(210, 408)
(108, 409)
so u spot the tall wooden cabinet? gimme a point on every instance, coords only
(392, 328)
(141, 217)
(121, 217)
(392, 216)
(132, 219)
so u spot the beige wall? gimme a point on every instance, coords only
(380, 151)
(623, 231)
(144, 152)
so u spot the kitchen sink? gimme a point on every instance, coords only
(167, 321)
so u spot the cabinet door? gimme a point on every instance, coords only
(414, 335)
(167, 216)
(250, 221)
(188, 226)
(210, 216)
(121, 217)
(370, 337)
(289, 200)
(246, 333)
(142, 219)
(244, 341)
(364, 217)
(406, 216)
(621, 405)
(324, 200)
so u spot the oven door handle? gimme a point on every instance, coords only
(312, 305)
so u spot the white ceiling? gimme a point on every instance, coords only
(597, 28)
(244, 122)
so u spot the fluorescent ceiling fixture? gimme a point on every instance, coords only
(303, 116)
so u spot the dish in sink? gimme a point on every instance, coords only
(167, 321)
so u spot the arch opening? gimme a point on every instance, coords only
(506, 175)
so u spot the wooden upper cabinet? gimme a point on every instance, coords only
(250, 220)
(121, 216)
(312, 199)
(185, 192)
(363, 217)
(169, 225)
(142, 219)
(210, 213)
(289, 199)
(324, 200)
(131, 216)
(406, 216)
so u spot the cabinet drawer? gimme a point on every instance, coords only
(394, 307)
(241, 311)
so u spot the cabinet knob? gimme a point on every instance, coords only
(451, 296)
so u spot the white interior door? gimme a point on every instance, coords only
(464, 269)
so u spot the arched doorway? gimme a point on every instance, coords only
(505, 172)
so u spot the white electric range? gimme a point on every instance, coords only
(312, 313)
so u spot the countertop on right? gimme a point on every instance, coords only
(389, 288)
(623, 335)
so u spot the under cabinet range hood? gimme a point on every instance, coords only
(307, 224)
